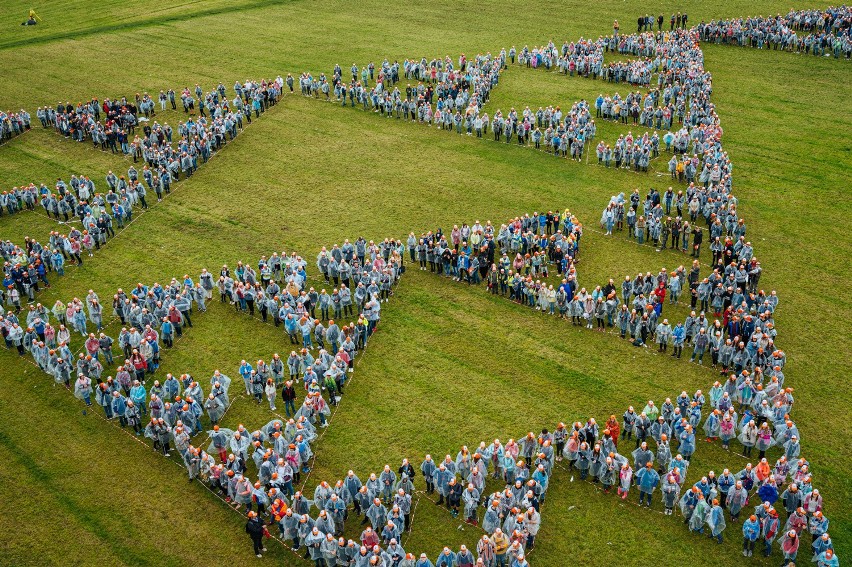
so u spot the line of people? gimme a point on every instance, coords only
(646, 22)
(102, 214)
(586, 58)
(826, 32)
(459, 98)
(511, 517)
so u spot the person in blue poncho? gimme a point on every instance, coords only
(751, 531)
(647, 479)
(687, 442)
(716, 521)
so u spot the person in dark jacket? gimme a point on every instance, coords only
(697, 239)
(254, 528)
(288, 394)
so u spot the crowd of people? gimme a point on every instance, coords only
(19, 199)
(585, 58)
(824, 32)
(752, 406)
(669, 64)
(451, 96)
(749, 403)
(173, 412)
(464, 87)
(740, 345)
(165, 156)
(13, 124)
(673, 220)
(448, 94)
(111, 124)
(74, 200)
(510, 518)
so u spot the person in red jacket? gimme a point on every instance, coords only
(175, 318)
(369, 538)
(139, 364)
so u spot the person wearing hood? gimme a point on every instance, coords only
(716, 521)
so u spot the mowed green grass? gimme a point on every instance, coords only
(450, 365)
(79, 18)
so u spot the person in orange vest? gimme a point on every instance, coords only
(277, 511)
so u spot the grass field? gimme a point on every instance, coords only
(450, 365)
